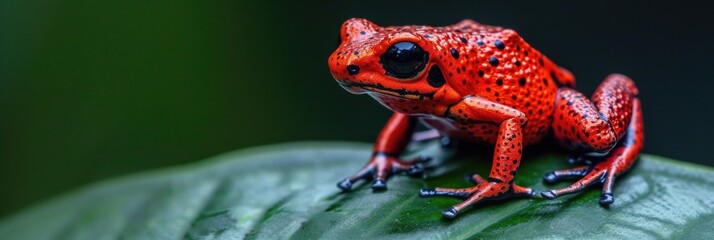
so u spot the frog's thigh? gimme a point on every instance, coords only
(579, 126)
(594, 126)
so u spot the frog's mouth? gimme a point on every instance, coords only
(354, 87)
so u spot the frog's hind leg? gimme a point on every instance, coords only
(610, 126)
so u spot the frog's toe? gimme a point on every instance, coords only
(365, 173)
(379, 185)
(414, 167)
(606, 199)
(550, 178)
(345, 185)
(450, 213)
(558, 175)
(462, 193)
(548, 194)
(574, 188)
(525, 191)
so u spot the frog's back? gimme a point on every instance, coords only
(497, 64)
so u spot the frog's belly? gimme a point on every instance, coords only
(477, 132)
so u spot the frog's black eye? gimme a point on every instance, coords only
(404, 60)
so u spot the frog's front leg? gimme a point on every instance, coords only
(506, 158)
(392, 141)
(610, 125)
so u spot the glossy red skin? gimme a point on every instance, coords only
(535, 99)
(509, 103)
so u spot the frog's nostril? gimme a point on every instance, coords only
(352, 69)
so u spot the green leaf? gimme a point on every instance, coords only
(288, 192)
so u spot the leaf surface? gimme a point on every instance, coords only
(288, 191)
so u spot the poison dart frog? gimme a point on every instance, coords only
(485, 84)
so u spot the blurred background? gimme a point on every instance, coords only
(95, 89)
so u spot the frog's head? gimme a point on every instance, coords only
(393, 61)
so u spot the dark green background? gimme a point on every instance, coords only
(94, 89)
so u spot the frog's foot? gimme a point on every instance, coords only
(381, 167)
(483, 191)
(616, 163)
(600, 173)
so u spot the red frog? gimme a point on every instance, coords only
(485, 84)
